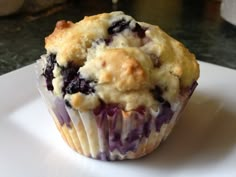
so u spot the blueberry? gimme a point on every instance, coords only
(118, 26)
(48, 71)
(67, 103)
(108, 40)
(68, 73)
(79, 84)
(139, 30)
(73, 83)
(157, 94)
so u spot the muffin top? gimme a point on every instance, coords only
(111, 58)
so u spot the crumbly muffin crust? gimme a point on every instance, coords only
(122, 60)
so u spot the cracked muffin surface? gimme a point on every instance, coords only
(111, 58)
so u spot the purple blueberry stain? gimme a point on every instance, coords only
(134, 135)
(112, 109)
(106, 112)
(146, 129)
(98, 110)
(164, 116)
(141, 110)
(166, 112)
(130, 143)
(103, 156)
(131, 146)
(102, 123)
(108, 118)
(115, 141)
(123, 146)
(147, 126)
(61, 112)
(99, 115)
(48, 71)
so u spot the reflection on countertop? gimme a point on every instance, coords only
(197, 24)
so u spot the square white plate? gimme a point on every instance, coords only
(203, 142)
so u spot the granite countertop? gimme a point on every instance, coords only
(196, 24)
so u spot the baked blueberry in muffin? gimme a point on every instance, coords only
(115, 86)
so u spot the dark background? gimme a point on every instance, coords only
(197, 24)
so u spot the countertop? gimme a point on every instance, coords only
(197, 24)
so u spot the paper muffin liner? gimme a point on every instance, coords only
(109, 132)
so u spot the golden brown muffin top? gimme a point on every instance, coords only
(126, 59)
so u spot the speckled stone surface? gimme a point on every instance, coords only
(198, 25)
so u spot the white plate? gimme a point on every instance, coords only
(203, 142)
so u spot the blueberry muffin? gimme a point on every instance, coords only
(115, 87)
